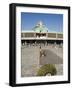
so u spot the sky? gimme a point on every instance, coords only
(54, 22)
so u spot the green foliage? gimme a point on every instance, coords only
(47, 68)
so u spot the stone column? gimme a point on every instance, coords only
(56, 36)
(47, 35)
(34, 34)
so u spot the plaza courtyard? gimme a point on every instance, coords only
(31, 59)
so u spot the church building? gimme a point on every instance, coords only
(40, 34)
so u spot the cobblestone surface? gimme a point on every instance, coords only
(31, 60)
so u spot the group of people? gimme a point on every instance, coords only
(42, 44)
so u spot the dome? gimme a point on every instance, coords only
(40, 27)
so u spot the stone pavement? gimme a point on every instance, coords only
(31, 60)
(50, 58)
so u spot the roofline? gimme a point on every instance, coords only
(40, 32)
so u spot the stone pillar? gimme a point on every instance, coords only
(47, 35)
(34, 34)
(56, 36)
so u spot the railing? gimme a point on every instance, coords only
(48, 36)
